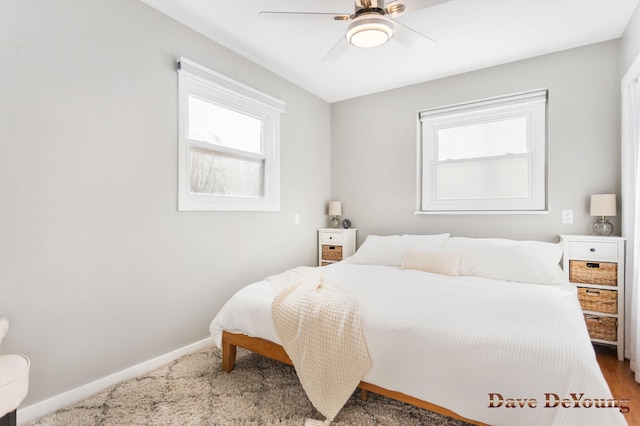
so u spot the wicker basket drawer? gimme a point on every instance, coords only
(595, 299)
(605, 328)
(602, 273)
(331, 252)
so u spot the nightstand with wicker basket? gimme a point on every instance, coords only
(596, 266)
(335, 245)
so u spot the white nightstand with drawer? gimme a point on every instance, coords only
(596, 266)
(335, 244)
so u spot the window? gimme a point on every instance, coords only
(229, 137)
(484, 156)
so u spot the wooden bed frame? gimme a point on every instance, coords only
(231, 341)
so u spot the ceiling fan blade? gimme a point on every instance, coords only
(401, 7)
(412, 38)
(337, 50)
(303, 16)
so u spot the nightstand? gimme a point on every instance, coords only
(596, 266)
(335, 244)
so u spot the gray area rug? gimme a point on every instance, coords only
(193, 390)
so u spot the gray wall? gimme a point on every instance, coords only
(98, 269)
(373, 145)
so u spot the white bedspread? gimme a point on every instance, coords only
(455, 341)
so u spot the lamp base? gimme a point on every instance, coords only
(334, 222)
(602, 227)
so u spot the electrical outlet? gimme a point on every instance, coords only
(296, 218)
(567, 217)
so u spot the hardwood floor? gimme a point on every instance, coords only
(621, 381)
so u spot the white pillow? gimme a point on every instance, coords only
(389, 250)
(439, 261)
(504, 259)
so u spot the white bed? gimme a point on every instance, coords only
(459, 341)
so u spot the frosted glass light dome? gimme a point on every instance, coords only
(369, 31)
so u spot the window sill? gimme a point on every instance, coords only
(532, 212)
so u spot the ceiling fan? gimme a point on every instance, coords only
(372, 24)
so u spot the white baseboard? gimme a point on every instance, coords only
(42, 408)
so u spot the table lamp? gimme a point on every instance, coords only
(335, 211)
(603, 205)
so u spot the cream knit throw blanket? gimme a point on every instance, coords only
(319, 325)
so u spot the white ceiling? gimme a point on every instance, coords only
(470, 34)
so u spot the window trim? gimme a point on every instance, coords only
(196, 80)
(532, 105)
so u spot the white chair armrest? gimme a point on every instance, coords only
(14, 381)
(4, 328)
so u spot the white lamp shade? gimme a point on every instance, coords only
(603, 205)
(335, 208)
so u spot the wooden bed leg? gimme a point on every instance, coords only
(228, 356)
(364, 394)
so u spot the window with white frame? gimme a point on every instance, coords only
(484, 156)
(229, 143)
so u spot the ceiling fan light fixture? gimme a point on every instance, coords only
(369, 31)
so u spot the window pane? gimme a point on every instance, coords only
(214, 173)
(483, 140)
(494, 178)
(221, 126)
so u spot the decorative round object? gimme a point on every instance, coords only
(346, 223)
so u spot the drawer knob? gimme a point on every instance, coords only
(592, 250)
